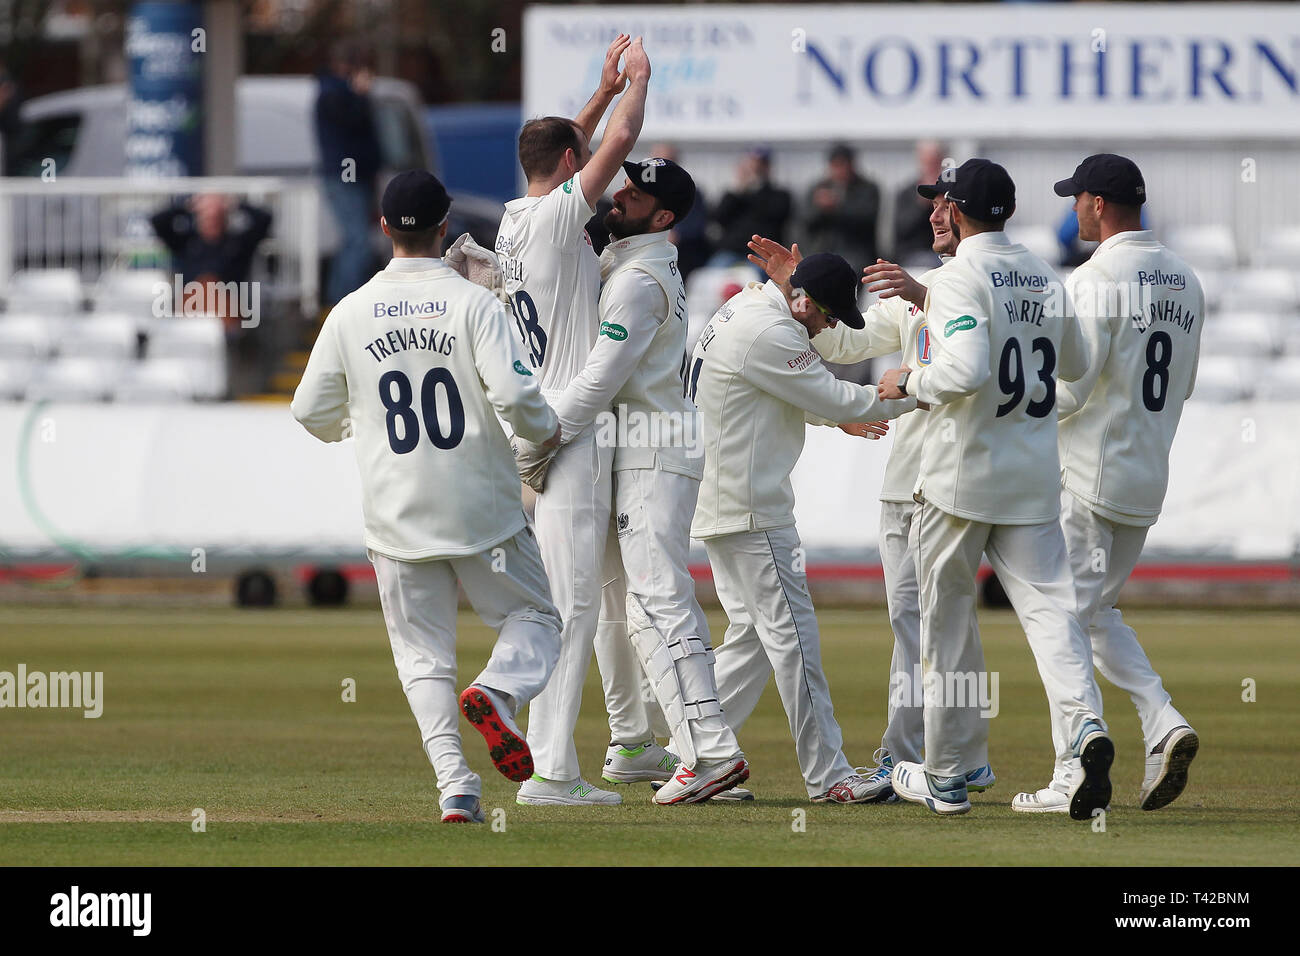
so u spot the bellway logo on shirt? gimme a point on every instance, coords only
(428, 309)
(614, 331)
(957, 325)
(1019, 280)
(923, 345)
(519, 367)
(1175, 281)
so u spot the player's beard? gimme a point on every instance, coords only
(620, 226)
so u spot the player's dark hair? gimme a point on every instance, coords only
(417, 242)
(542, 143)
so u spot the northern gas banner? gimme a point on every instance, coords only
(1083, 71)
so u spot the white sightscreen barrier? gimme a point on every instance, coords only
(102, 481)
(757, 71)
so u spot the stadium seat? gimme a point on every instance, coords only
(1040, 240)
(1273, 290)
(1243, 335)
(1280, 381)
(100, 336)
(156, 381)
(1215, 285)
(1221, 379)
(77, 379)
(45, 291)
(1281, 249)
(15, 376)
(1205, 247)
(133, 292)
(29, 337)
(201, 342)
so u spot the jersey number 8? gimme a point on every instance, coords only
(399, 409)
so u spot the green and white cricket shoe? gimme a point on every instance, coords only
(647, 762)
(539, 792)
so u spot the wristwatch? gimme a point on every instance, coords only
(902, 381)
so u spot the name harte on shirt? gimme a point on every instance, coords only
(411, 337)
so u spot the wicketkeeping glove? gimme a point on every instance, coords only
(477, 264)
(533, 462)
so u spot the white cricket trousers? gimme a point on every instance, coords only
(904, 735)
(507, 587)
(773, 627)
(634, 714)
(572, 521)
(1103, 554)
(1032, 564)
(654, 543)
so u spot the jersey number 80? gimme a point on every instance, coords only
(399, 409)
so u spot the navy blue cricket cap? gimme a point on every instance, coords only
(666, 181)
(830, 282)
(1115, 178)
(981, 189)
(414, 201)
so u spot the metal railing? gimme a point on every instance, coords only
(94, 224)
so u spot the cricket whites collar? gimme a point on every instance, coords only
(635, 247)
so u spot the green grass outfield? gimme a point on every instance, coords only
(240, 713)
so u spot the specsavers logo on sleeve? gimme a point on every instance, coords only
(615, 332)
(959, 325)
(519, 367)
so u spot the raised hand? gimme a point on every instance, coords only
(636, 65)
(887, 279)
(612, 80)
(774, 259)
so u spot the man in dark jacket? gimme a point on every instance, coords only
(842, 212)
(754, 207)
(350, 160)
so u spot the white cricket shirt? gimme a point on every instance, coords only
(1141, 310)
(1001, 333)
(417, 364)
(755, 377)
(892, 325)
(553, 279)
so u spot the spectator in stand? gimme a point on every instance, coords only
(207, 242)
(842, 212)
(350, 158)
(691, 235)
(913, 236)
(754, 207)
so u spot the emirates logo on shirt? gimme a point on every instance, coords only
(802, 360)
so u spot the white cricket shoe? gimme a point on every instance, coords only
(540, 792)
(1166, 770)
(977, 781)
(1090, 788)
(734, 795)
(644, 763)
(852, 789)
(911, 782)
(1046, 800)
(877, 777)
(697, 784)
(462, 808)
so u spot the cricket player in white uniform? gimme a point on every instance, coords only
(988, 484)
(1141, 309)
(553, 279)
(637, 368)
(757, 382)
(417, 364)
(895, 323)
